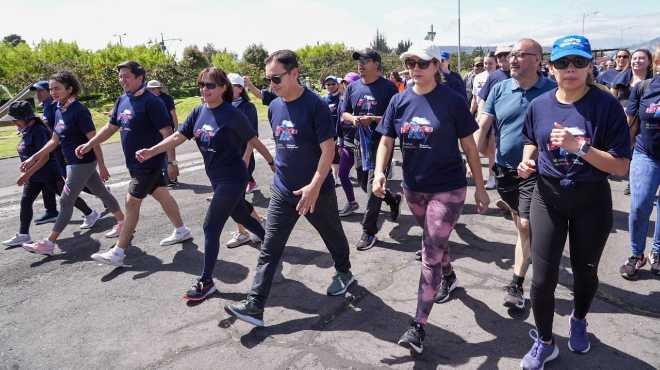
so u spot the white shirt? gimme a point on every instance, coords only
(479, 82)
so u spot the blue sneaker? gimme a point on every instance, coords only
(579, 340)
(540, 353)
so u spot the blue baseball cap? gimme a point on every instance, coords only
(571, 45)
(40, 85)
(444, 55)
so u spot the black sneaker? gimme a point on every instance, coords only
(247, 310)
(413, 338)
(654, 260)
(46, 218)
(631, 267)
(513, 296)
(395, 208)
(418, 255)
(448, 284)
(366, 242)
(173, 184)
(200, 290)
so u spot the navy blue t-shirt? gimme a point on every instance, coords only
(33, 138)
(622, 82)
(493, 78)
(428, 127)
(72, 127)
(333, 104)
(299, 127)
(169, 105)
(368, 100)
(139, 119)
(456, 83)
(250, 112)
(597, 119)
(647, 106)
(607, 77)
(48, 117)
(221, 134)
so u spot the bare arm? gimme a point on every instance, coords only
(42, 153)
(481, 197)
(383, 154)
(251, 88)
(485, 122)
(166, 132)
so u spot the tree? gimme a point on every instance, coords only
(209, 51)
(226, 61)
(13, 39)
(402, 46)
(194, 58)
(256, 55)
(380, 43)
(478, 52)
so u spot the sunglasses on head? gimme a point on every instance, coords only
(276, 79)
(208, 85)
(577, 62)
(411, 63)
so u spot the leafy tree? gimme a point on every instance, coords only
(256, 55)
(226, 61)
(13, 39)
(209, 51)
(402, 47)
(379, 43)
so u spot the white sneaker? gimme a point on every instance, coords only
(90, 220)
(116, 230)
(237, 239)
(177, 237)
(18, 240)
(109, 257)
(490, 184)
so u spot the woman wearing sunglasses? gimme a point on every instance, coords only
(220, 131)
(640, 69)
(575, 135)
(430, 119)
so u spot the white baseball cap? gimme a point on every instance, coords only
(424, 49)
(153, 84)
(236, 79)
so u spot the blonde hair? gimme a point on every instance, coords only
(656, 58)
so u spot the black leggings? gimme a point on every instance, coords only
(584, 212)
(30, 192)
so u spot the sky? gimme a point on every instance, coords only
(294, 23)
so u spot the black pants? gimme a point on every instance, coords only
(370, 219)
(282, 217)
(30, 192)
(584, 212)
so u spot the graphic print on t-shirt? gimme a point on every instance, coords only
(204, 135)
(562, 157)
(415, 134)
(367, 104)
(653, 109)
(59, 127)
(285, 134)
(125, 118)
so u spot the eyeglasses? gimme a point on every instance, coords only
(209, 85)
(237, 85)
(276, 79)
(480, 65)
(519, 55)
(622, 56)
(577, 62)
(411, 63)
(362, 61)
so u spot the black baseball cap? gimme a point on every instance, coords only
(133, 66)
(39, 85)
(367, 54)
(19, 110)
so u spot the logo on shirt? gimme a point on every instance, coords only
(564, 158)
(653, 109)
(125, 118)
(416, 132)
(59, 127)
(205, 134)
(286, 131)
(20, 148)
(367, 103)
(332, 107)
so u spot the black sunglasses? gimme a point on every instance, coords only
(276, 79)
(578, 62)
(411, 63)
(209, 85)
(363, 61)
(479, 65)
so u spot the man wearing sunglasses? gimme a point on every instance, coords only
(364, 104)
(304, 135)
(477, 67)
(505, 110)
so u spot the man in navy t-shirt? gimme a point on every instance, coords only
(364, 104)
(143, 122)
(304, 135)
(505, 111)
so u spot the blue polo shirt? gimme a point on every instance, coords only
(507, 103)
(493, 78)
(647, 106)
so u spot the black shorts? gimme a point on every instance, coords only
(146, 182)
(514, 190)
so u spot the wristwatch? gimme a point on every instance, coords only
(584, 149)
(173, 163)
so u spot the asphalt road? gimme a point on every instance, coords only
(67, 312)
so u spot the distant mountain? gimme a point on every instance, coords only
(651, 44)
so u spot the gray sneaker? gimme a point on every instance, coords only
(340, 283)
(348, 209)
(247, 310)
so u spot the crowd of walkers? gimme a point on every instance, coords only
(553, 135)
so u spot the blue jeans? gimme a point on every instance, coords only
(644, 182)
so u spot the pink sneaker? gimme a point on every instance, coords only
(116, 230)
(251, 186)
(45, 247)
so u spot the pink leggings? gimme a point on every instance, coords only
(437, 213)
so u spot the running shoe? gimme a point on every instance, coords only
(45, 247)
(578, 340)
(413, 338)
(340, 283)
(632, 266)
(116, 230)
(237, 239)
(366, 242)
(18, 240)
(177, 237)
(90, 220)
(654, 260)
(200, 290)
(110, 257)
(395, 208)
(513, 296)
(490, 184)
(348, 209)
(539, 354)
(46, 218)
(247, 310)
(447, 285)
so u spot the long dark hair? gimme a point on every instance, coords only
(68, 79)
(218, 76)
(244, 95)
(649, 57)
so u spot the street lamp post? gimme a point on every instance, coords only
(584, 16)
(459, 36)
(119, 35)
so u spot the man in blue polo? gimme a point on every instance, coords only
(505, 109)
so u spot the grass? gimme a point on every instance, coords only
(9, 137)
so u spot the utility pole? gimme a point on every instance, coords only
(459, 36)
(163, 40)
(119, 35)
(430, 35)
(584, 16)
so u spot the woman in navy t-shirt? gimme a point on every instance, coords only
(221, 132)
(574, 137)
(640, 69)
(429, 120)
(644, 117)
